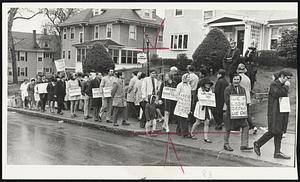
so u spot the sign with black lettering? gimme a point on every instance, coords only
(238, 107)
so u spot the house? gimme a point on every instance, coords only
(184, 29)
(35, 54)
(124, 33)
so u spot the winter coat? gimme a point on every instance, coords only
(200, 110)
(95, 83)
(138, 92)
(233, 124)
(130, 91)
(150, 111)
(169, 105)
(86, 88)
(30, 89)
(60, 90)
(72, 84)
(118, 94)
(246, 84)
(220, 86)
(277, 121)
(183, 91)
(147, 87)
(50, 90)
(107, 81)
(231, 64)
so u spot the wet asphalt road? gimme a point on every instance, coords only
(37, 141)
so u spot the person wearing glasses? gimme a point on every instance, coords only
(277, 121)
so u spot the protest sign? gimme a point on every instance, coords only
(78, 67)
(207, 99)
(169, 93)
(107, 91)
(42, 88)
(183, 105)
(284, 104)
(142, 58)
(238, 107)
(74, 91)
(96, 93)
(60, 64)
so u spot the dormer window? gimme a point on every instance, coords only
(97, 32)
(96, 12)
(46, 43)
(178, 12)
(108, 31)
(147, 13)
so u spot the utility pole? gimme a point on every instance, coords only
(148, 57)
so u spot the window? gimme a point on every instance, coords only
(18, 71)
(81, 55)
(123, 56)
(46, 43)
(64, 54)
(69, 54)
(274, 38)
(96, 31)
(134, 61)
(179, 41)
(96, 12)
(147, 13)
(47, 55)
(65, 33)
(132, 32)
(22, 56)
(22, 72)
(129, 57)
(208, 15)
(160, 36)
(72, 35)
(40, 58)
(25, 71)
(114, 54)
(178, 12)
(47, 70)
(80, 37)
(108, 31)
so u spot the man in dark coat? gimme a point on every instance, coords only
(60, 92)
(221, 84)
(96, 102)
(277, 121)
(43, 96)
(235, 124)
(232, 59)
(251, 64)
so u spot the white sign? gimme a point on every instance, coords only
(183, 105)
(141, 58)
(42, 88)
(284, 104)
(96, 92)
(107, 91)
(78, 67)
(74, 91)
(169, 93)
(60, 64)
(207, 99)
(238, 107)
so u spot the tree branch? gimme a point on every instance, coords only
(27, 18)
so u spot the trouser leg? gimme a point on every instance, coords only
(109, 109)
(143, 119)
(103, 108)
(250, 122)
(184, 126)
(166, 120)
(59, 106)
(86, 106)
(226, 137)
(115, 115)
(124, 114)
(277, 142)
(245, 136)
(264, 139)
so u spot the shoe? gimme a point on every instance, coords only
(187, 136)
(207, 141)
(244, 148)
(72, 116)
(108, 121)
(280, 155)
(254, 131)
(61, 113)
(75, 115)
(194, 137)
(116, 124)
(96, 119)
(256, 148)
(125, 123)
(218, 127)
(153, 135)
(86, 117)
(228, 148)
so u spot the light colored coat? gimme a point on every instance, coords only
(138, 92)
(130, 91)
(23, 89)
(118, 94)
(147, 88)
(246, 84)
(107, 81)
(199, 112)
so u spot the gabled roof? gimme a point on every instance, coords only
(105, 42)
(24, 41)
(110, 15)
(290, 20)
(230, 18)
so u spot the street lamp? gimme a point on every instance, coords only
(148, 60)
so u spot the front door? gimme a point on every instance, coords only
(240, 40)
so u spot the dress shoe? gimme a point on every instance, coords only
(228, 148)
(125, 123)
(243, 148)
(280, 155)
(116, 124)
(256, 148)
(108, 121)
(207, 140)
(86, 117)
(187, 136)
(96, 119)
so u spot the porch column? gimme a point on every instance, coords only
(247, 37)
(119, 58)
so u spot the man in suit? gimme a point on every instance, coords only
(149, 87)
(60, 92)
(232, 59)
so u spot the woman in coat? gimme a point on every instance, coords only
(168, 105)
(203, 113)
(183, 105)
(118, 99)
(51, 95)
(60, 92)
(72, 84)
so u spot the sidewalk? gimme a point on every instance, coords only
(215, 148)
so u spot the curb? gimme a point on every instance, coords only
(124, 132)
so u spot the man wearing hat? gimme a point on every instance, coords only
(232, 59)
(220, 86)
(277, 121)
(177, 77)
(246, 84)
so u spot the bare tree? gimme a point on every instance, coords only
(14, 14)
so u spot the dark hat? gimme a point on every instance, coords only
(241, 68)
(206, 80)
(221, 71)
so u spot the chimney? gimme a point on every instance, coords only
(45, 31)
(35, 45)
(153, 13)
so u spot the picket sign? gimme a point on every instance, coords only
(284, 104)
(169, 93)
(74, 91)
(238, 107)
(107, 91)
(183, 105)
(207, 99)
(96, 92)
(42, 88)
(60, 64)
(78, 67)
